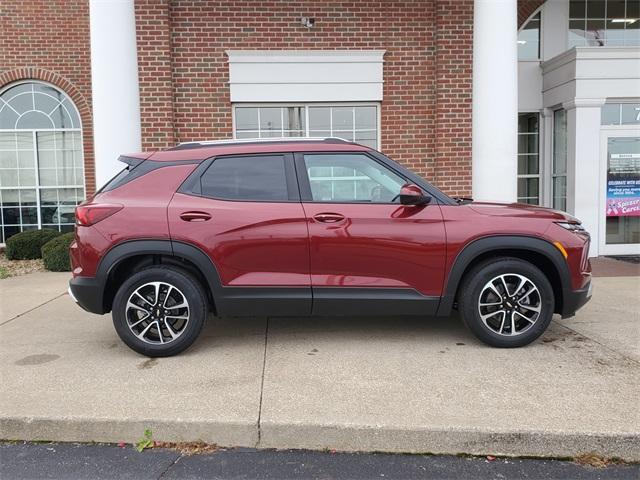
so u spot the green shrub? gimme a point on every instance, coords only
(27, 245)
(55, 253)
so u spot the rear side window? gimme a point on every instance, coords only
(253, 178)
(116, 181)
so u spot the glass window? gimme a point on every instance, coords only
(559, 174)
(257, 178)
(623, 190)
(620, 114)
(357, 123)
(604, 22)
(41, 159)
(351, 178)
(528, 159)
(529, 39)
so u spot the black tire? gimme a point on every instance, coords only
(473, 285)
(187, 286)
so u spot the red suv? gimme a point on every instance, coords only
(313, 227)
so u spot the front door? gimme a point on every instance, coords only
(620, 196)
(369, 254)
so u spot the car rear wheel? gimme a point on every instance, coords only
(506, 302)
(159, 311)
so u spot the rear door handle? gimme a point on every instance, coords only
(195, 216)
(328, 217)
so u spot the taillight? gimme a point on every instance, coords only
(87, 215)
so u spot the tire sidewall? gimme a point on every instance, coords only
(472, 288)
(189, 287)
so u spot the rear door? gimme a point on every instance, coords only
(369, 254)
(245, 213)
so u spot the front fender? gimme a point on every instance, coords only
(500, 244)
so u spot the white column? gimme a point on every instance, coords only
(583, 164)
(114, 82)
(495, 100)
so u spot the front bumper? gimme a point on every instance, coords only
(573, 300)
(87, 293)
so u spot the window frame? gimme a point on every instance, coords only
(306, 106)
(24, 226)
(553, 174)
(537, 12)
(538, 154)
(606, 18)
(193, 184)
(304, 183)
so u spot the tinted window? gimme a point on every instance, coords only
(259, 178)
(351, 178)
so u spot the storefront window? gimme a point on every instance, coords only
(559, 174)
(41, 161)
(604, 22)
(529, 39)
(623, 190)
(528, 159)
(357, 123)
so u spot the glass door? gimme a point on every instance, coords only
(620, 198)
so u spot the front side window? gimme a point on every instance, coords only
(41, 159)
(351, 178)
(528, 159)
(604, 22)
(257, 178)
(559, 174)
(356, 123)
(529, 39)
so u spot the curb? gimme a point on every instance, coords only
(349, 438)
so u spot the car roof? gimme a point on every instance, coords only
(195, 151)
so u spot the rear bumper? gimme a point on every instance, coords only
(87, 293)
(574, 300)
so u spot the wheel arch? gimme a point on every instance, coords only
(131, 255)
(540, 252)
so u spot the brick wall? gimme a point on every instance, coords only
(425, 115)
(426, 112)
(48, 40)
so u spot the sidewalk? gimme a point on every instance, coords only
(390, 384)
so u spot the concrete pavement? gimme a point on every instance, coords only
(386, 384)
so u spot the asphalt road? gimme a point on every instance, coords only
(85, 461)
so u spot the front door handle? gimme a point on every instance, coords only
(328, 217)
(195, 216)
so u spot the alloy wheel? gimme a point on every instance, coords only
(157, 313)
(509, 304)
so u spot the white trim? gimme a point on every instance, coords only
(305, 75)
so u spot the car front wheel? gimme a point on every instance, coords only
(506, 302)
(159, 311)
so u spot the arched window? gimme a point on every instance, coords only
(41, 159)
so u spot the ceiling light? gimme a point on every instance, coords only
(624, 20)
(521, 42)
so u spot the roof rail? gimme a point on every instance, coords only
(232, 141)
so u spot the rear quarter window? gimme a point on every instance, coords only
(252, 178)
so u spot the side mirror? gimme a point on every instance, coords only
(412, 195)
